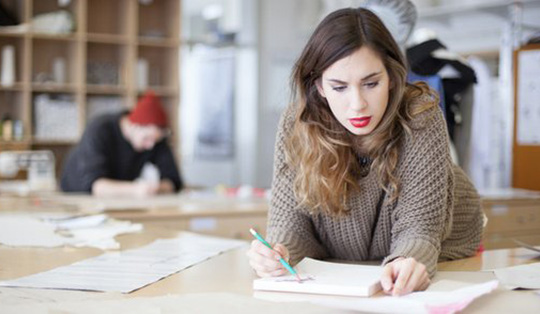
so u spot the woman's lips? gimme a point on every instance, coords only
(360, 122)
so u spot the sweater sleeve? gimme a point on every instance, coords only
(287, 223)
(422, 216)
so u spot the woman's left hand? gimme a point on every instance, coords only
(404, 275)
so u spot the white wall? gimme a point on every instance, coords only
(240, 168)
(285, 26)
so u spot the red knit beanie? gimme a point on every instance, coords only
(149, 111)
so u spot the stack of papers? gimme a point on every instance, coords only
(320, 277)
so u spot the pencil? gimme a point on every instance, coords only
(281, 260)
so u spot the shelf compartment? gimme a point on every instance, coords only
(54, 62)
(18, 53)
(159, 19)
(161, 68)
(11, 106)
(107, 17)
(40, 7)
(106, 64)
(56, 117)
(15, 9)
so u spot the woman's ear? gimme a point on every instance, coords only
(318, 83)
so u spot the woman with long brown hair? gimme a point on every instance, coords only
(362, 169)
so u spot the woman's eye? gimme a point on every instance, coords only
(339, 88)
(371, 84)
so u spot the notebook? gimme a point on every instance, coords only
(329, 278)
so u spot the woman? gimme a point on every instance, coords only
(362, 167)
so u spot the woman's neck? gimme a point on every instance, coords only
(358, 145)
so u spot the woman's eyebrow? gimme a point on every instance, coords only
(365, 78)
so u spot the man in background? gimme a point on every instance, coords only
(124, 154)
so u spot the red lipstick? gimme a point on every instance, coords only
(360, 122)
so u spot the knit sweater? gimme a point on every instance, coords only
(436, 217)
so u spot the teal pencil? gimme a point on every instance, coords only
(281, 260)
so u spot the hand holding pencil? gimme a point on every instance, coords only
(268, 261)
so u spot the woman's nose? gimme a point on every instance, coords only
(358, 102)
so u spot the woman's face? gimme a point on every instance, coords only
(356, 88)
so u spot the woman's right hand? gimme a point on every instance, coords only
(265, 261)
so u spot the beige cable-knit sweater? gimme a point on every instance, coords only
(436, 217)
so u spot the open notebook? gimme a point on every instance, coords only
(320, 277)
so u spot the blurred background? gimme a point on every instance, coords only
(257, 43)
(222, 69)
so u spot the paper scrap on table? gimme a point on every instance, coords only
(130, 270)
(418, 302)
(522, 276)
(20, 230)
(29, 231)
(78, 222)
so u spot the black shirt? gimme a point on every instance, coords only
(103, 152)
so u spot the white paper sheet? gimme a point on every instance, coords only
(440, 302)
(132, 269)
(78, 222)
(326, 278)
(522, 276)
(53, 230)
(16, 230)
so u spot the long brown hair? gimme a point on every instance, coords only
(319, 148)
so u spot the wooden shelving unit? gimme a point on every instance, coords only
(112, 34)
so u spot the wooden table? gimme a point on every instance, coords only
(226, 273)
(512, 214)
(230, 273)
(213, 215)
